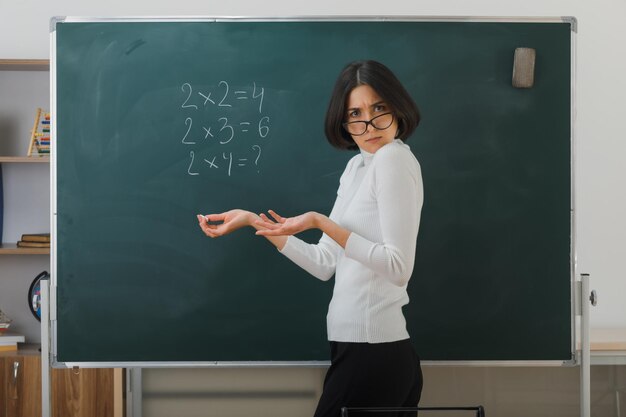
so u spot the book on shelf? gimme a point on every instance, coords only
(23, 244)
(8, 347)
(36, 237)
(9, 341)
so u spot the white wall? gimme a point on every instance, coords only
(601, 87)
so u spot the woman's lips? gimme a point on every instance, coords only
(373, 139)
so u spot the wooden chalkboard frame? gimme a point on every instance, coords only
(52, 323)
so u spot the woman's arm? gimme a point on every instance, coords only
(233, 220)
(319, 259)
(293, 225)
(399, 196)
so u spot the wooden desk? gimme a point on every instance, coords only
(608, 346)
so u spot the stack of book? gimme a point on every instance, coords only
(9, 341)
(37, 240)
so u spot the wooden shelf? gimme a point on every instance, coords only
(27, 159)
(12, 249)
(23, 349)
(24, 64)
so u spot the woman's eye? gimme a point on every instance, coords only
(354, 113)
(379, 108)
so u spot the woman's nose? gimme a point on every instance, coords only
(368, 119)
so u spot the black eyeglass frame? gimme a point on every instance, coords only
(369, 122)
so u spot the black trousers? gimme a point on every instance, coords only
(371, 375)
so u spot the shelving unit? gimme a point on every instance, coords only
(24, 64)
(11, 248)
(24, 159)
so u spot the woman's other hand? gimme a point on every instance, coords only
(231, 221)
(284, 226)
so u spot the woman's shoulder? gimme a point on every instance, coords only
(394, 153)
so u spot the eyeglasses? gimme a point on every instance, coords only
(380, 122)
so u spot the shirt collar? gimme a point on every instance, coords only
(367, 157)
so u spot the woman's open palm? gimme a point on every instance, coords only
(283, 226)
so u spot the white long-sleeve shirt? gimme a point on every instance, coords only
(379, 200)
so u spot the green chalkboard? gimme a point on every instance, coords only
(158, 121)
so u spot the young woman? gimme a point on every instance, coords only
(368, 242)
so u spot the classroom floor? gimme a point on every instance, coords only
(274, 392)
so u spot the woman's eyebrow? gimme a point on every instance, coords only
(378, 103)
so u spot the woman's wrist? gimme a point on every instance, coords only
(332, 229)
(251, 218)
(318, 221)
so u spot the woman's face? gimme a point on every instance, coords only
(364, 104)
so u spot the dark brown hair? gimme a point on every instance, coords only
(386, 85)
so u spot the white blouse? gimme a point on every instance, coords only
(379, 200)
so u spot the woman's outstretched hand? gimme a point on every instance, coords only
(284, 226)
(231, 221)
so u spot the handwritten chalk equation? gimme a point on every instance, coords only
(224, 131)
(226, 161)
(227, 117)
(223, 91)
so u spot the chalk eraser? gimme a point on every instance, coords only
(524, 67)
